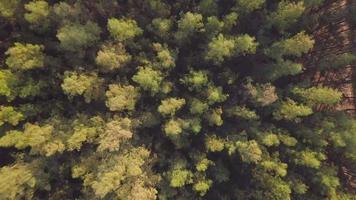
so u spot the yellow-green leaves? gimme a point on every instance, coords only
(310, 158)
(121, 97)
(286, 14)
(318, 95)
(195, 79)
(170, 106)
(214, 144)
(165, 57)
(8, 7)
(17, 182)
(290, 110)
(180, 177)
(297, 45)
(9, 115)
(250, 5)
(88, 85)
(25, 56)
(37, 14)
(250, 151)
(76, 37)
(189, 24)
(123, 29)
(149, 79)
(116, 132)
(33, 136)
(221, 48)
(173, 127)
(111, 57)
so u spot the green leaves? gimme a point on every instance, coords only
(149, 79)
(38, 12)
(112, 57)
(20, 182)
(189, 24)
(87, 85)
(286, 14)
(221, 48)
(25, 56)
(121, 97)
(76, 37)
(290, 110)
(123, 29)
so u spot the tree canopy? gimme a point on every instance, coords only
(172, 99)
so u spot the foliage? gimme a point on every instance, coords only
(87, 85)
(74, 37)
(25, 56)
(121, 98)
(111, 57)
(286, 14)
(159, 99)
(123, 29)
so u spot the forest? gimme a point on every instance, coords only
(177, 99)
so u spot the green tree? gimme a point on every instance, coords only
(25, 56)
(290, 110)
(319, 95)
(250, 5)
(121, 97)
(148, 79)
(295, 46)
(189, 24)
(76, 37)
(38, 12)
(87, 85)
(123, 29)
(112, 56)
(286, 14)
(170, 106)
(8, 7)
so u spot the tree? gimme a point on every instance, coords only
(158, 99)
(319, 95)
(38, 12)
(189, 24)
(221, 48)
(20, 181)
(290, 110)
(123, 29)
(111, 57)
(286, 14)
(148, 79)
(8, 8)
(248, 6)
(170, 106)
(9, 115)
(195, 79)
(294, 46)
(121, 97)
(25, 56)
(76, 37)
(87, 85)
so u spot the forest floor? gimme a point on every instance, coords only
(335, 38)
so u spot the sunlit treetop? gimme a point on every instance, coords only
(123, 29)
(25, 56)
(8, 7)
(287, 14)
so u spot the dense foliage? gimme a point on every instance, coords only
(160, 99)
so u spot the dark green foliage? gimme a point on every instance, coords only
(158, 99)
